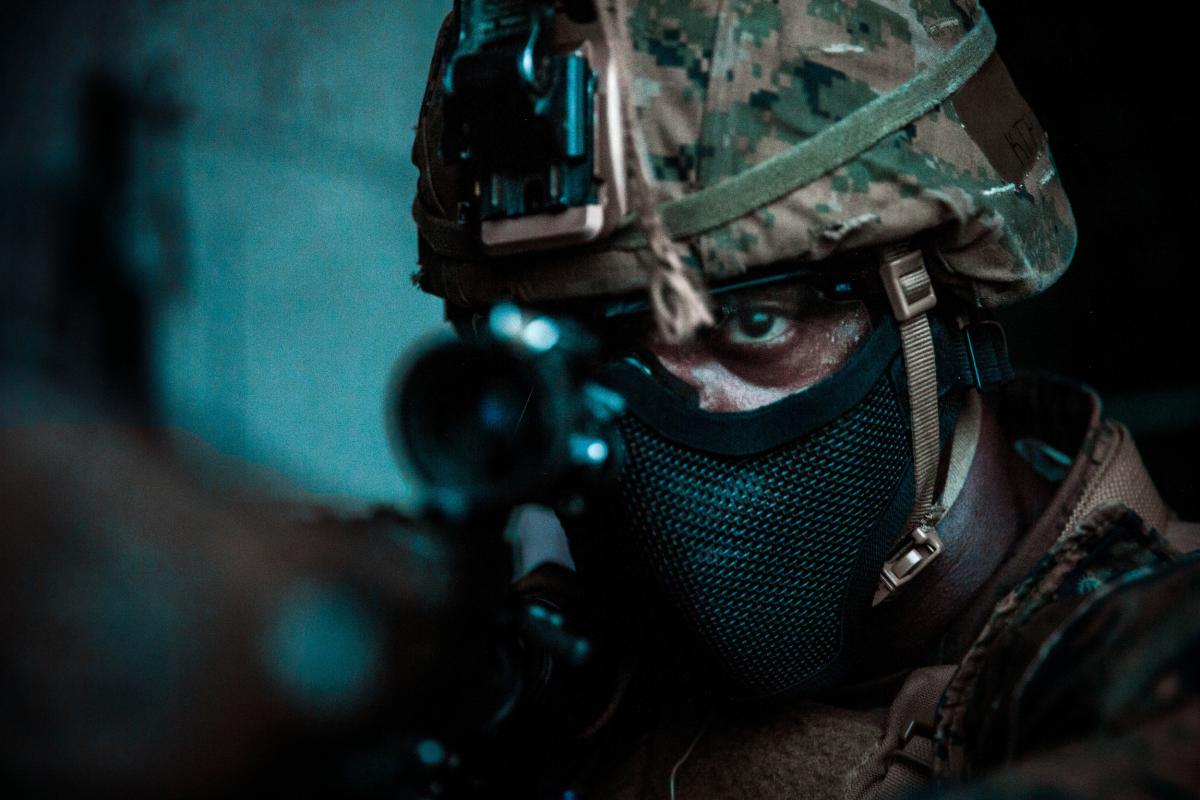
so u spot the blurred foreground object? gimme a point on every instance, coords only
(505, 415)
(159, 640)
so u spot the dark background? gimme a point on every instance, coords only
(262, 151)
(1113, 92)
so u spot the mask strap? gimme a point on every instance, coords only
(910, 293)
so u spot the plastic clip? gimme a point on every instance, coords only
(923, 547)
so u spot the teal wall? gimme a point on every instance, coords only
(287, 187)
(301, 244)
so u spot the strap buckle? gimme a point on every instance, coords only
(923, 547)
(907, 283)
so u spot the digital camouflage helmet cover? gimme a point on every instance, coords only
(793, 130)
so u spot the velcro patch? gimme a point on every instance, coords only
(1000, 121)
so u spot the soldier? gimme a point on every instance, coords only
(861, 554)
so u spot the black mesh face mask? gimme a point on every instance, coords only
(748, 545)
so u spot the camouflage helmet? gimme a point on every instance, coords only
(777, 130)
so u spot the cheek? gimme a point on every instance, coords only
(727, 381)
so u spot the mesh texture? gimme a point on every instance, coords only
(757, 551)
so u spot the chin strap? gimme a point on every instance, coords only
(910, 292)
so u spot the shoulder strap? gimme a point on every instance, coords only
(1120, 475)
(902, 761)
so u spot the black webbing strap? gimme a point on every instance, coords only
(985, 362)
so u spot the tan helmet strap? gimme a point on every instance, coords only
(910, 292)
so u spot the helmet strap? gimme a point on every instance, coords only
(910, 294)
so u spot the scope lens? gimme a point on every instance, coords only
(474, 418)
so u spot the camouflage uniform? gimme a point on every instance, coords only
(1054, 656)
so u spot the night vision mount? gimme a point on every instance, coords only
(533, 110)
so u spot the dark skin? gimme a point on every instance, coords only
(771, 342)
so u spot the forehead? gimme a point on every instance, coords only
(850, 276)
(628, 323)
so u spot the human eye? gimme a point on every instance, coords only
(757, 325)
(753, 325)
